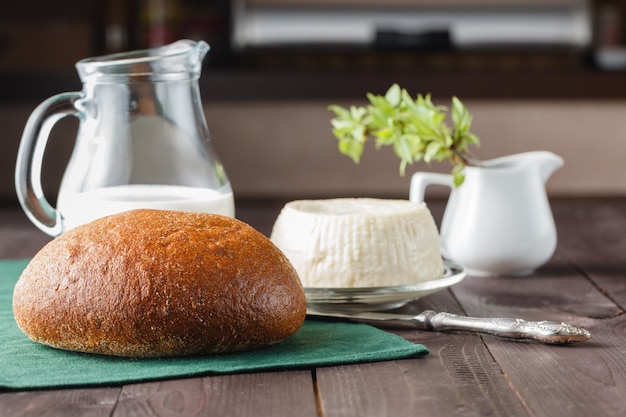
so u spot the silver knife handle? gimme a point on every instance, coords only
(551, 332)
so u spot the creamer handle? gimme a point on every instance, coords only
(30, 157)
(421, 180)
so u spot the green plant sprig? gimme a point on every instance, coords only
(415, 128)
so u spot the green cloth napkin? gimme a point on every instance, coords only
(28, 365)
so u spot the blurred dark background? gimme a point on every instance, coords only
(461, 44)
(535, 73)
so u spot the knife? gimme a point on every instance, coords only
(550, 332)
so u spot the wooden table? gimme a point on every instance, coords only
(465, 374)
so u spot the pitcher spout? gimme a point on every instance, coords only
(544, 162)
(547, 163)
(174, 62)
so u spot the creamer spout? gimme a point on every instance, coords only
(547, 163)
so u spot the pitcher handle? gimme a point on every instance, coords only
(421, 180)
(30, 157)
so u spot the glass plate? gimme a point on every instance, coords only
(381, 298)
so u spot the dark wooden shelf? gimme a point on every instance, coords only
(252, 85)
(234, 85)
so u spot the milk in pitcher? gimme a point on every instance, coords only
(81, 208)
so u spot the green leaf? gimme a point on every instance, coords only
(402, 148)
(339, 111)
(458, 175)
(357, 113)
(394, 95)
(431, 150)
(471, 139)
(403, 165)
(341, 123)
(381, 104)
(378, 118)
(385, 132)
(460, 117)
(352, 149)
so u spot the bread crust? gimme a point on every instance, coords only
(151, 283)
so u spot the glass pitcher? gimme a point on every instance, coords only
(142, 141)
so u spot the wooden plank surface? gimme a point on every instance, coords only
(592, 236)
(465, 374)
(581, 371)
(250, 394)
(95, 402)
(458, 378)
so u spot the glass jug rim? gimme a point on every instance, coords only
(180, 59)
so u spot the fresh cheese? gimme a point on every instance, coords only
(359, 242)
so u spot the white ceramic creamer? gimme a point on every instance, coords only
(499, 221)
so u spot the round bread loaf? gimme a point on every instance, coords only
(152, 283)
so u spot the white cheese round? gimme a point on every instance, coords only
(359, 242)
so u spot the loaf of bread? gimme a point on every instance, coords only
(154, 283)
